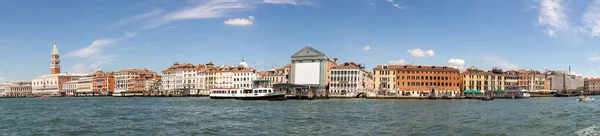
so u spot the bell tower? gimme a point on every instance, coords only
(55, 61)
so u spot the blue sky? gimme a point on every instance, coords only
(116, 34)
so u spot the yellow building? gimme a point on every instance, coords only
(384, 78)
(475, 79)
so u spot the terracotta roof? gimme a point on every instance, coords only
(413, 67)
(591, 79)
(136, 71)
(185, 66)
(347, 65)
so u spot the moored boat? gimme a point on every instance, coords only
(246, 94)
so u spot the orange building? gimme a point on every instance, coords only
(413, 80)
(103, 81)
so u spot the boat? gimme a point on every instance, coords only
(487, 98)
(584, 98)
(45, 96)
(246, 94)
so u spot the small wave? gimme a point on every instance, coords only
(590, 131)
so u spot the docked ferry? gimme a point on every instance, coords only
(246, 94)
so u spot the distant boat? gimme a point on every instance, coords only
(584, 98)
(487, 98)
(44, 96)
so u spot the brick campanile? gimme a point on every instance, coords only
(55, 61)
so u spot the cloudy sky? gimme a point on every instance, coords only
(116, 34)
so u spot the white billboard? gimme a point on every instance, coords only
(307, 73)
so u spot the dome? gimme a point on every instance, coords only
(243, 64)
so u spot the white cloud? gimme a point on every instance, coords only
(591, 19)
(420, 53)
(290, 2)
(593, 58)
(154, 12)
(366, 48)
(92, 55)
(499, 62)
(552, 13)
(92, 63)
(92, 49)
(395, 4)
(240, 21)
(210, 9)
(456, 63)
(398, 62)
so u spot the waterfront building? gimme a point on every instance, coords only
(103, 82)
(243, 76)
(476, 79)
(511, 80)
(411, 80)
(310, 68)
(184, 77)
(3, 88)
(591, 84)
(350, 79)
(277, 76)
(536, 81)
(51, 84)
(153, 85)
(210, 76)
(560, 78)
(18, 89)
(84, 86)
(122, 77)
(223, 76)
(70, 88)
(384, 78)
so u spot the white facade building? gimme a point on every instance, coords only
(51, 84)
(348, 79)
(243, 76)
(185, 77)
(18, 89)
(3, 88)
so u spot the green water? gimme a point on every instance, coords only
(203, 116)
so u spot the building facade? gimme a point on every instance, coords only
(384, 78)
(18, 89)
(410, 80)
(122, 77)
(243, 76)
(184, 76)
(591, 84)
(476, 79)
(349, 79)
(103, 82)
(560, 79)
(277, 76)
(310, 68)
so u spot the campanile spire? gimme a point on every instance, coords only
(55, 61)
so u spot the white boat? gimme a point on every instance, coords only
(584, 98)
(246, 94)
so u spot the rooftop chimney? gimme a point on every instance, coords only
(335, 60)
